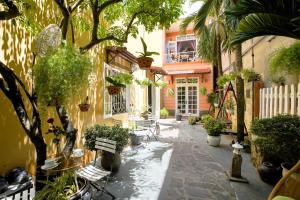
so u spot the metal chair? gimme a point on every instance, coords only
(92, 173)
(148, 125)
(27, 194)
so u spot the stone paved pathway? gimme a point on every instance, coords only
(192, 172)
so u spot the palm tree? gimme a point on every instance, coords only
(265, 17)
(211, 38)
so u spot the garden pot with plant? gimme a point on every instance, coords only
(64, 187)
(144, 60)
(214, 128)
(277, 141)
(116, 133)
(164, 113)
(118, 82)
(85, 105)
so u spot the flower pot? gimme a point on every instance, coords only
(83, 193)
(286, 167)
(269, 173)
(144, 62)
(113, 90)
(84, 107)
(111, 161)
(178, 117)
(214, 140)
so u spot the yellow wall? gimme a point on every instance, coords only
(15, 147)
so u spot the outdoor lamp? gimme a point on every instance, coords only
(236, 165)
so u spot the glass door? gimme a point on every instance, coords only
(192, 102)
(181, 99)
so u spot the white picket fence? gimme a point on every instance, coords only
(279, 100)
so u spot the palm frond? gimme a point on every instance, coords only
(261, 24)
(187, 21)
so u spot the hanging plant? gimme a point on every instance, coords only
(60, 75)
(212, 98)
(85, 105)
(144, 60)
(250, 75)
(286, 59)
(144, 82)
(203, 91)
(160, 84)
(223, 80)
(117, 82)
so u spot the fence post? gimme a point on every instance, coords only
(271, 102)
(286, 99)
(260, 103)
(280, 100)
(293, 100)
(268, 103)
(264, 103)
(275, 100)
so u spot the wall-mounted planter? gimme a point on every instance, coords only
(84, 107)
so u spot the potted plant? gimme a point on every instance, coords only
(277, 141)
(161, 84)
(144, 60)
(85, 105)
(250, 75)
(116, 133)
(64, 188)
(203, 91)
(145, 82)
(164, 113)
(117, 82)
(61, 74)
(214, 128)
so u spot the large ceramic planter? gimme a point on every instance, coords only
(145, 62)
(269, 173)
(84, 193)
(109, 160)
(214, 140)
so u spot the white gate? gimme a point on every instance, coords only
(279, 100)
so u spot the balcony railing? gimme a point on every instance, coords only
(179, 57)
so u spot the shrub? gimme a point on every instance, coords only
(205, 119)
(214, 126)
(193, 120)
(278, 138)
(116, 133)
(164, 113)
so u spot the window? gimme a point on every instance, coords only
(116, 104)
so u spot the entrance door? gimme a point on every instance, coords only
(187, 96)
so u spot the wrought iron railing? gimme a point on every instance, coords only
(189, 56)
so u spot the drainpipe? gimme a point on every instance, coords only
(253, 95)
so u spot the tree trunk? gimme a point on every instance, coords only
(240, 94)
(70, 130)
(219, 57)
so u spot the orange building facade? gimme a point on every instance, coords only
(187, 73)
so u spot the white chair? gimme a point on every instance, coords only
(146, 125)
(23, 195)
(92, 173)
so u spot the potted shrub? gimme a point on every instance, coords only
(144, 60)
(117, 82)
(61, 74)
(64, 188)
(164, 113)
(116, 133)
(277, 140)
(214, 128)
(85, 105)
(192, 120)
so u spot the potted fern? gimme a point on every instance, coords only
(117, 82)
(144, 60)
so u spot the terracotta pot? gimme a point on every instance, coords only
(109, 160)
(269, 173)
(214, 140)
(84, 107)
(113, 90)
(144, 62)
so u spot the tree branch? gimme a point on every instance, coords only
(12, 11)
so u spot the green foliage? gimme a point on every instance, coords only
(286, 59)
(203, 91)
(205, 119)
(192, 120)
(116, 133)
(170, 92)
(144, 82)
(61, 189)
(145, 52)
(250, 75)
(61, 74)
(120, 80)
(161, 84)
(278, 80)
(214, 126)
(164, 113)
(278, 138)
(223, 80)
(212, 98)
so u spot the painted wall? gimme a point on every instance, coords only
(16, 51)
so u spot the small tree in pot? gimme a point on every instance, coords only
(116, 133)
(214, 128)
